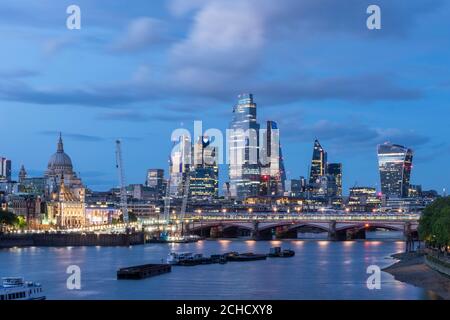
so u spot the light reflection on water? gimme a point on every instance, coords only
(319, 270)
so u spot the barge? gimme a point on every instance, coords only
(143, 271)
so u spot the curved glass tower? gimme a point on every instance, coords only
(395, 164)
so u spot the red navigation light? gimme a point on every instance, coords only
(265, 178)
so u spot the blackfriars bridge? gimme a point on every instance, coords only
(339, 226)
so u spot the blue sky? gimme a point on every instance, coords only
(138, 70)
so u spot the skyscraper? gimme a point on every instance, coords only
(5, 169)
(273, 176)
(318, 163)
(204, 177)
(180, 164)
(155, 180)
(335, 170)
(243, 136)
(395, 164)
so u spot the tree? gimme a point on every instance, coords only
(131, 217)
(434, 225)
(8, 218)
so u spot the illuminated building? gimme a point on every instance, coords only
(363, 199)
(414, 191)
(29, 206)
(60, 165)
(204, 177)
(180, 165)
(5, 169)
(298, 187)
(243, 136)
(335, 170)
(155, 181)
(65, 191)
(318, 163)
(102, 213)
(273, 176)
(395, 164)
(66, 209)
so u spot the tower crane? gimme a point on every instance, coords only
(123, 191)
(185, 200)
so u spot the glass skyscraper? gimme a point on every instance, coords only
(318, 163)
(204, 177)
(5, 169)
(395, 164)
(335, 170)
(273, 175)
(243, 153)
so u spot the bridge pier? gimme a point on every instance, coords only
(332, 233)
(353, 234)
(216, 232)
(255, 232)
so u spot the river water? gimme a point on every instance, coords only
(320, 270)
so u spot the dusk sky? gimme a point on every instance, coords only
(137, 70)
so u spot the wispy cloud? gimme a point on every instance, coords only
(141, 33)
(73, 136)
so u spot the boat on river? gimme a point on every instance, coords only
(15, 288)
(276, 252)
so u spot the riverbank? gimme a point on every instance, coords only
(411, 269)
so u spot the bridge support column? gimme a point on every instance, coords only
(332, 234)
(255, 231)
(216, 232)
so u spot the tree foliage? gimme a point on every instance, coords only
(8, 218)
(434, 225)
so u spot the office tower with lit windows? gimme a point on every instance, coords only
(5, 169)
(155, 181)
(204, 176)
(318, 163)
(273, 176)
(335, 170)
(180, 165)
(395, 164)
(243, 153)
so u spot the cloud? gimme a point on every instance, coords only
(18, 73)
(141, 33)
(106, 96)
(73, 136)
(124, 115)
(349, 136)
(52, 46)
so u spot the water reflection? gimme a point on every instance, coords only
(319, 270)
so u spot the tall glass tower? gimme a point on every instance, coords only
(335, 170)
(395, 164)
(273, 175)
(318, 163)
(243, 153)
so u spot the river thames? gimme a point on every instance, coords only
(320, 270)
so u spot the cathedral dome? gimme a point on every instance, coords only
(60, 162)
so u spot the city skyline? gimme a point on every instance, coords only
(129, 74)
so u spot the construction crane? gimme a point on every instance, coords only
(123, 191)
(185, 199)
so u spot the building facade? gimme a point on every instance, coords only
(318, 163)
(243, 153)
(204, 176)
(5, 169)
(395, 164)
(273, 175)
(335, 170)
